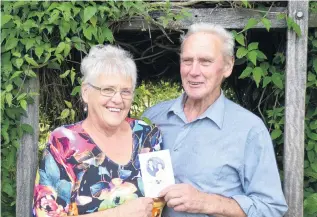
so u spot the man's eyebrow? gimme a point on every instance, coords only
(206, 58)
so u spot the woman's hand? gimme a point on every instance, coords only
(140, 207)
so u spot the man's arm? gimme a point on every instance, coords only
(185, 198)
(260, 181)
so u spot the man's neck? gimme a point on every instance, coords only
(195, 108)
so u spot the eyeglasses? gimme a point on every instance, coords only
(110, 92)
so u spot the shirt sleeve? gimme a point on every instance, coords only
(54, 181)
(261, 182)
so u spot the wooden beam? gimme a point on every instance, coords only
(231, 18)
(296, 72)
(28, 155)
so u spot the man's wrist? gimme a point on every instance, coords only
(209, 203)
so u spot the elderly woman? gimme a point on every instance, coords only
(91, 168)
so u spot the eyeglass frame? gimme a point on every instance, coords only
(114, 93)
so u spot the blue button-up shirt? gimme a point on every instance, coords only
(226, 151)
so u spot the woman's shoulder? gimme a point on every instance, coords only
(66, 130)
(141, 125)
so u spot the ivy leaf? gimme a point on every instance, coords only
(53, 16)
(253, 46)
(252, 56)
(72, 76)
(315, 64)
(240, 39)
(64, 28)
(5, 18)
(68, 104)
(60, 47)
(87, 32)
(257, 74)
(23, 104)
(64, 114)
(261, 55)
(276, 78)
(9, 87)
(276, 133)
(15, 74)
(311, 156)
(30, 73)
(66, 50)
(75, 91)
(11, 43)
(30, 60)
(9, 98)
(312, 136)
(93, 21)
(89, 12)
(266, 81)
(65, 74)
(27, 128)
(297, 29)
(266, 23)
(251, 23)
(108, 34)
(21, 96)
(39, 51)
(310, 204)
(313, 125)
(246, 73)
(241, 52)
(19, 62)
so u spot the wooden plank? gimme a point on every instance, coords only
(296, 69)
(231, 18)
(28, 155)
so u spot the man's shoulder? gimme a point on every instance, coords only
(158, 109)
(239, 114)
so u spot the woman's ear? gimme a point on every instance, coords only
(84, 92)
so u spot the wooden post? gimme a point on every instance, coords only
(27, 155)
(296, 70)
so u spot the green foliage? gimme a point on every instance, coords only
(38, 35)
(149, 94)
(269, 77)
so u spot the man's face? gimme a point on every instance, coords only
(203, 66)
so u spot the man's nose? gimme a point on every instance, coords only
(195, 69)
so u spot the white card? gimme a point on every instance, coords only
(157, 172)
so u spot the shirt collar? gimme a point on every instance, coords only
(215, 112)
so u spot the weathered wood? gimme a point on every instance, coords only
(28, 155)
(231, 18)
(296, 69)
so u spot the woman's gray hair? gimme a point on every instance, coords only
(226, 36)
(109, 60)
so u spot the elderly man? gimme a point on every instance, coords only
(222, 154)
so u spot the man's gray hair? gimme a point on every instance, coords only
(225, 35)
(109, 60)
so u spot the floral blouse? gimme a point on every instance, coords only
(75, 177)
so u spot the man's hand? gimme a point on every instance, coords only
(183, 198)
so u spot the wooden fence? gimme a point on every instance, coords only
(296, 66)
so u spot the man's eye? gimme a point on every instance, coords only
(187, 62)
(205, 62)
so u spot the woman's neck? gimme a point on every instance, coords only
(102, 130)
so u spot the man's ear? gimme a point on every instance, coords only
(84, 92)
(228, 67)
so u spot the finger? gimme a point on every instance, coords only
(173, 194)
(174, 202)
(167, 189)
(180, 208)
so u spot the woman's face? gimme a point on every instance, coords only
(109, 111)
